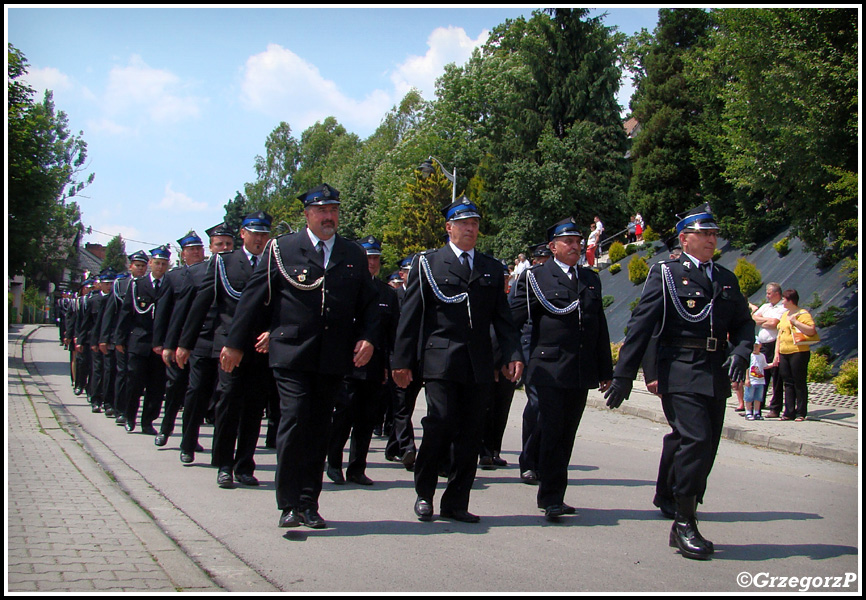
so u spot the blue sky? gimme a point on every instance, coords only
(175, 104)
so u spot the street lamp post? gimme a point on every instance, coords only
(427, 168)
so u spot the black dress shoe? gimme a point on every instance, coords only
(225, 480)
(95, 408)
(498, 461)
(290, 518)
(149, 430)
(360, 479)
(120, 420)
(160, 440)
(486, 463)
(391, 458)
(568, 510)
(529, 477)
(336, 475)
(245, 479)
(187, 457)
(553, 512)
(199, 448)
(464, 516)
(424, 509)
(408, 460)
(109, 412)
(312, 519)
(129, 426)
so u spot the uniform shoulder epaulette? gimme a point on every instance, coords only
(428, 251)
(535, 266)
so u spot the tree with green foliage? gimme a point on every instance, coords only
(274, 189)
(665, 180)
(115, 255)
(44, 164)
(236, 210)
(787, 126)
(417, 222)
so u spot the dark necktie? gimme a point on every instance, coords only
(572, 274)
(707, 268)
(254, 261)
(156, 283)
(466, 272)
(320, 248)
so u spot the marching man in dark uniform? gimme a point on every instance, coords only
(701, 310)
(362, 398)
(177, 379)
(316, 293)
(146, 371)
(244, 392)
(100, 374)
(569, 354)
(193, 344)
(108, 335)
(454, 294)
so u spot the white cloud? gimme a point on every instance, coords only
(157, 93)
(178, 201)
(445, 45)
(277, 82)
(107, 126)
(47, 78)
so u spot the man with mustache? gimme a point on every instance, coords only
(316, 295)
(569, 354)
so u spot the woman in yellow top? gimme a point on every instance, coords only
(793, 359)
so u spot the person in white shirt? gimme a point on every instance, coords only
(767, 318)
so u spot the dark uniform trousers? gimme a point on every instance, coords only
(307, 403)
(146, 376)
(203, 376)
(559, 414)
(313, 333)
(456, 362)
(692, 382)
(452, 428)
(243, 395)
(359, 405)
(176, 383)
(402, 437)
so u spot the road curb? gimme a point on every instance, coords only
(192, 558)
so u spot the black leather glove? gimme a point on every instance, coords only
(618, 391)
(736, 366)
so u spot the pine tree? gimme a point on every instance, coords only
(115, 255)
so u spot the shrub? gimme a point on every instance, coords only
(749, 277)
(637, 270)
(614, 351)
(846, 381)
(649, 235)
(606, 301)
(717, 254)
(615, 268)
(782, 246)
(616, 252)
(824, 351)
(630, 249)
(633, 304)
(850, 265)
(829, 317)
(815, 302)
(819, 369)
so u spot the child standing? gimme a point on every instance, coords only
(755, 384)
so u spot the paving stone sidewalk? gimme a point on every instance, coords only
(70, 527)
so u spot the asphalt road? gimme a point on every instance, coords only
(770, 515)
